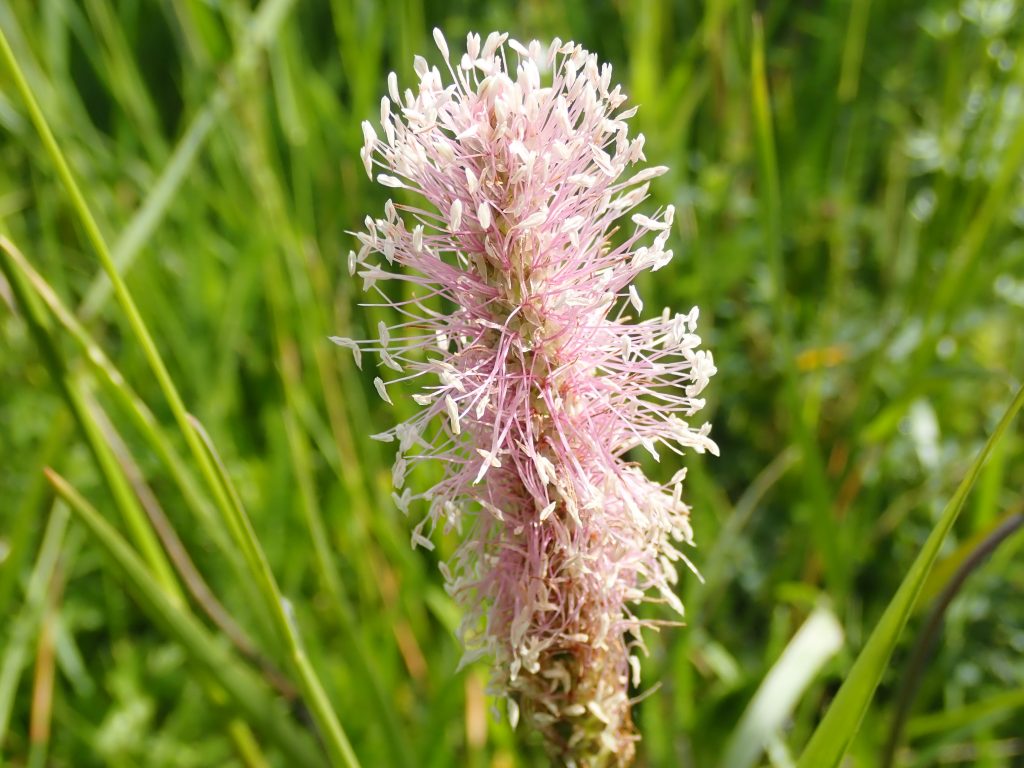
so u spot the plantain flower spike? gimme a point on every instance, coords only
(510, 278)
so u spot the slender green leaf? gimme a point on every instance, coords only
(71, 387)
(841, 722)
(1001, 705)
(337, 743)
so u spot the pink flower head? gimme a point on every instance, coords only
(512, 279)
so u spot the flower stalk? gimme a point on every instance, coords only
(540, 381)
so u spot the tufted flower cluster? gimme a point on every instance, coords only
(510, 273)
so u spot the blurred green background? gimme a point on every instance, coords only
(858, 261)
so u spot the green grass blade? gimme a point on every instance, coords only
(1000, 705)
(946, 567)
(124, 297)
(338, 747)
(819, 502)
(249, 695)
(70, 386)
(20, 536)
(150, 429)
(832, 736)
(327, 570)
(853, 50)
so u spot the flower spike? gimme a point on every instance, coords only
(516, 312)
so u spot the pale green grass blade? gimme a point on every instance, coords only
(1000, 705)
(265, 23)
(841, 722)
(853, 50)
(248, 694)
(116, 62)
(814, 644)
(23, 625)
